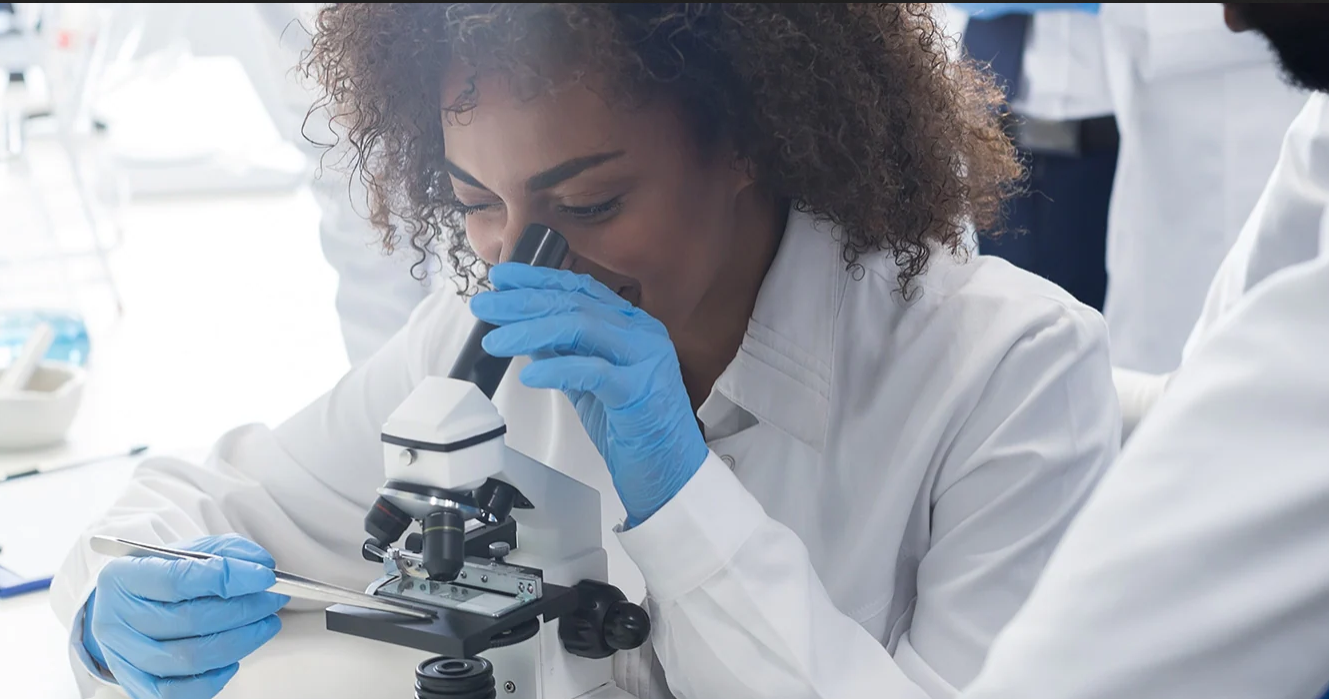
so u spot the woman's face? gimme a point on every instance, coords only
(643, 210)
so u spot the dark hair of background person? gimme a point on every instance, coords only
(1298, 33)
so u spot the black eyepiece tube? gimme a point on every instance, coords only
(539, 246)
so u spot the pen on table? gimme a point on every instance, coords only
(60, 466)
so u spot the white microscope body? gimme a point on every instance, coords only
(560, 535)
(509, 557)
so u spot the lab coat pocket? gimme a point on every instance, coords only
(1192, 39)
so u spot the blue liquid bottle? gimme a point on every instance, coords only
(70, 345)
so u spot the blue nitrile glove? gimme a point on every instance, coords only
(178, 629)
(617, 366)
(988, 10)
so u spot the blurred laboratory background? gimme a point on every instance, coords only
(157, 212)
(156, 219)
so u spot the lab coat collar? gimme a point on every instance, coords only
(782, 373)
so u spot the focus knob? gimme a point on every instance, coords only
(627, 626)
(603, 623)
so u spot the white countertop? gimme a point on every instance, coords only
(32, 659)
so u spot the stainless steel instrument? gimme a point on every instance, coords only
(287, 583)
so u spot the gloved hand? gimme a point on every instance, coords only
(178, 629)
(617, 366)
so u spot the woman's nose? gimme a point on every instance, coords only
(493, 244)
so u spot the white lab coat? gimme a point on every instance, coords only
(376, 292)
(1282, 230)
(1202, 112)
(1064, 78)
(1200, 567)
(900, 473)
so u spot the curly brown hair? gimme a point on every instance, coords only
(854, 112)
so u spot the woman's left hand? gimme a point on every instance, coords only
(614, 362)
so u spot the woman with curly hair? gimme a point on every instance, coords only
(837, 451)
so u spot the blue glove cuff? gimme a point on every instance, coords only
(90, 643)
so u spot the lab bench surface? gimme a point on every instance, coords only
(33, 662)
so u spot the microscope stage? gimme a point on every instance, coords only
(454, 634)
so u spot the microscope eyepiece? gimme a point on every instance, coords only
(538, 246)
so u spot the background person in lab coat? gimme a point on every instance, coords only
(1282, 231)
(763, 203)
(1198, 569)
(1201, 112)
(1049, 59)
(376, 289)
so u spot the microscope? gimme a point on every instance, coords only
(508, 559)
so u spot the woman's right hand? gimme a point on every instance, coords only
(179, 628)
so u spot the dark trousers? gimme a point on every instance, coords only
(1058, 229)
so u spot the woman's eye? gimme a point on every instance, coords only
(467, 210)
(592, 212)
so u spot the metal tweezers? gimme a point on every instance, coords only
(287, 583)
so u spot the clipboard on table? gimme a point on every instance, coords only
(33, 543)
(13, 583)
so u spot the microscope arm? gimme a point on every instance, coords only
(564, 523)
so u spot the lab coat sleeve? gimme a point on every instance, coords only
(1200, 566)
(1137, 391)
(300, 490)
(738, 610)
(1282, 228)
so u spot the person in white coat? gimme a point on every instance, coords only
(765, 309)
(1201, 113)
(1049, 58)
(1198, 568)
(376, 292)
(1282, 231)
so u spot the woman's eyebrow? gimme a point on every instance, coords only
(568, 170)
(456, 171)
(544, 180)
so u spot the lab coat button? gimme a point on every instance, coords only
(728, 460)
